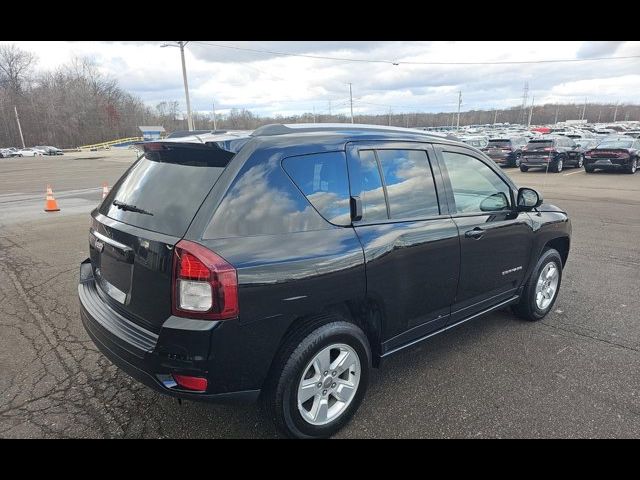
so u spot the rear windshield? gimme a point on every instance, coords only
(163, 190)
(616, 144)
(540, 143)
(499, 143)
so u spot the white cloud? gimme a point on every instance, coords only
(270, 84)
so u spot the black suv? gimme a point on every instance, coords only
(284, 264)
(505, 151)
(551, 153)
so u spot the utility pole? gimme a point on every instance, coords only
(459, 103)
(530, 112)
(314, 114)
(329, 107)
(215, 126)
(584, 107)
(495, 116)
(615, 113)
(389, 116)
(525, 96)
(599, 114)
(557, 109)
(351, 101)
(15, 109)
(186, 87)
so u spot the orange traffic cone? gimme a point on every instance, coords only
(105, 190)
(50, 205)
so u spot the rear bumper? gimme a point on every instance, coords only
(509, 159)
(608, 163)
(150, 358)
(536, 161)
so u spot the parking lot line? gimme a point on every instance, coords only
(573, 173)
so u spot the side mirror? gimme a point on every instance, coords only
(497, 201)
(528, 199)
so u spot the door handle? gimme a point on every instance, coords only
(475, 233)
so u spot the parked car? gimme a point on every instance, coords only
(552, 153)
(505, 151)
(29, 152)
(478, 141)
(302, 255)
(633, 133)
(585, 144)
(49, 150)
(619, 153)
(10, 152)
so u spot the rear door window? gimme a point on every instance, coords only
(366, 183)
(394, 184)
(322, 178)
(409, 182)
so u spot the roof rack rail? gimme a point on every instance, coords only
(283, 129)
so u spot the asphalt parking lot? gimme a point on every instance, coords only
(575, 374)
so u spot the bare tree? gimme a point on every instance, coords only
(14, 66)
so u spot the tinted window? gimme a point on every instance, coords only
(500, 143)
(169, 185)
(476, 188)
(540, 143)
(262, 200)
(323, 179)
(366, 183)
(409, 181)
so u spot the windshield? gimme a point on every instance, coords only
(615, 144)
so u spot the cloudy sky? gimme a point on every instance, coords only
(268, 84)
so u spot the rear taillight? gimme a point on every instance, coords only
(196, 384)
(204, 285)
(549, 149)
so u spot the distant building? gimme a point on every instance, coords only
(151, 133)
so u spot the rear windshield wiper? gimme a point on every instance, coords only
(130, 208)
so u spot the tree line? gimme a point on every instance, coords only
(76, 105)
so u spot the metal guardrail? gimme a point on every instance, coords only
(110, 143)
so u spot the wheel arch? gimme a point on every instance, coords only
(562, 245)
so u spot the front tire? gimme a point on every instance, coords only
(580, 162)
(524, 168)
(542, 287)
(589, 169)
(633, 166)
(319, 380)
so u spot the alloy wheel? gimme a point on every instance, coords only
(329, 383)
(547, 285)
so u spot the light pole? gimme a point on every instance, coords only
(351, 101)
(459, 103)
(184, 77)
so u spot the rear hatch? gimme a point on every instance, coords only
(147, 212)
(615, 149)
(498, 148)
(538, 148)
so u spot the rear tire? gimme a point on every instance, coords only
(633, 166)
(524, 168)
(516, 162)
(580, 162)
(537, 299)
(589, 169)
(557, 166)
(283, 398)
